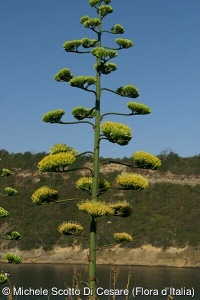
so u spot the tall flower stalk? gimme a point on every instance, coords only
(62, 157)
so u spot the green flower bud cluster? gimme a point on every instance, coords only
(3, 212)
(121, 209)
(10, 191)
(13, 235)
(146, 160)
(117, 29)
(81, 112)
(103, 54)
(56, 162)
(104, 10)
(64, 75)
(95, 209)
(130, 181)
(121, 237)
(82, 82)
(105, 68)
(70, 228)
(139, 108)
(5, 172)
(53, 116)
(3, 278)
(72, 46)
(95, 3)
(91, 23)
(124, 43)
(57, 148)
(116, 132)
(129, 91)
(44, 195)
(12, 258)
(84, 19)
(87, 43)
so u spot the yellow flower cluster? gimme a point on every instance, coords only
(132, 181)
(53, 163)
(44, 195)
(116, 132)
(84, 183)
(57, 148)
(70, 228)
(121, 209)
(122, 237)
(95, 209)
(146, 160)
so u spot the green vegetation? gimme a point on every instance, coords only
(163, 215)
(172, 162)
(7, 193)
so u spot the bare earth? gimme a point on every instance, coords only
(146, 255)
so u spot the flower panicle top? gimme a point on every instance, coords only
(146, 160)
(70, 228)
(95, 209)
(131, 181)
(56, 162)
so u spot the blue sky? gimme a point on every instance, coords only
(164, 65)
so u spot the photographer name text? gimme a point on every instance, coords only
(86, 291)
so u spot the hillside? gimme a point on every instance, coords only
(164, 215)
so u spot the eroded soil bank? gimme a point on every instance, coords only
(146, 255)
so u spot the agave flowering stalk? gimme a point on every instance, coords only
(62, 157)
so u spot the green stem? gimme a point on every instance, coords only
(74, 169)
(118, 163)
(95, 182)
(60, 201)
(83, 153)
(79, 52)
(118, 114)
(79, 122)
(109, 90)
